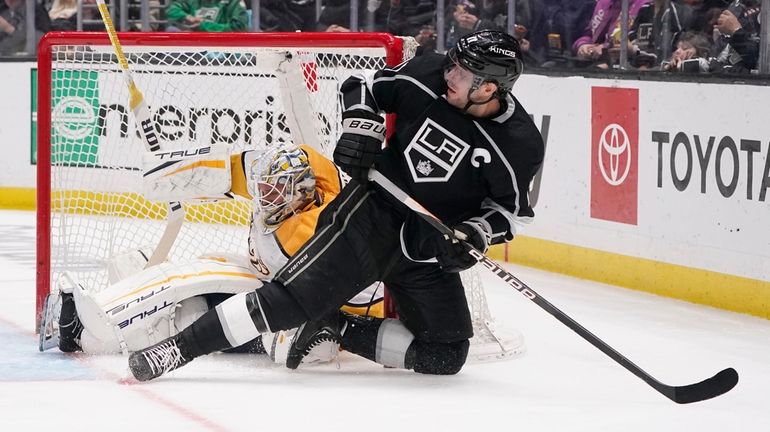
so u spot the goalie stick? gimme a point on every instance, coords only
(147, 130)
(719, 384)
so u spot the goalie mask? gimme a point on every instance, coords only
(285, 185)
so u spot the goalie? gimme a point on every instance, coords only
(289, 187)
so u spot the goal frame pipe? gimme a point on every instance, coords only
(394, 55)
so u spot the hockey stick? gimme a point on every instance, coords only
(720, 383)
(147, 130)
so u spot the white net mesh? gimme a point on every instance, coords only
(197, 96)
(488, 342)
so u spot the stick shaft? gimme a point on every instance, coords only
(709, 388)
(141, 113)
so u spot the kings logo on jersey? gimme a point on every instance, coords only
(434, 153)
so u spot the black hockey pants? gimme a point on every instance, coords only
(358, 242)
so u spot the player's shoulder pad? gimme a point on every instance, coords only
(522, 130)
(425, 71)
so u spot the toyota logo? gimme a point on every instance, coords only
(614, 143)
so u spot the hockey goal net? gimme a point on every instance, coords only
(246, 90)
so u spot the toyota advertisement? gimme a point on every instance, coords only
(614, 139)
(659, 170)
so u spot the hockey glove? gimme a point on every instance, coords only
(361, 142)
(453, 255)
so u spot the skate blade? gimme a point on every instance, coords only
(49, 323)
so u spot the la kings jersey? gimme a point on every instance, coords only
(458, 166)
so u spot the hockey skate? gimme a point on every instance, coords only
(60, 325)
(70, 327)
(315, 341)
(49, 322)
(164, 356)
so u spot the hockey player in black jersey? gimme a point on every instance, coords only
(465, 148)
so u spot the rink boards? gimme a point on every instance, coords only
(651, 185)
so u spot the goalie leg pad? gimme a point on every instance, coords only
(153, 304)
(123, 265)
(151, 332)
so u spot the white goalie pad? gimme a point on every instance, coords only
(123, 265)
(151, 305)
(185, 175)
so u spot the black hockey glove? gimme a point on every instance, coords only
(453, 256)
(361, 142)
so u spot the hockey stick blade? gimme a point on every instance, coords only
(709, 388)
(706, 389)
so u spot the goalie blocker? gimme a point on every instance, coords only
(202, 173)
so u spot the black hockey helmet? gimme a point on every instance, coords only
(491, 55)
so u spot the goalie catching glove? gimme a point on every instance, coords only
(363, 133)
(452, 253)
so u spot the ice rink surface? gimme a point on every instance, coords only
(561, 384)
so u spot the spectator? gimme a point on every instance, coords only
(707, 24)
(646, 34)
(207, 15)
(602, 33)
(496, 11)
(415, 18)
(13, 23)
(556, 24)
(691, 54)
(305, 10)
(134, 14)
(411, 18)
(737, 49)
(286, 16)
(336, 15)
(466, 19)
(427, 39)
(63, 15)
(92, 19)
(705, 14)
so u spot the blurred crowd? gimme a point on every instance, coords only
(695, 36)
